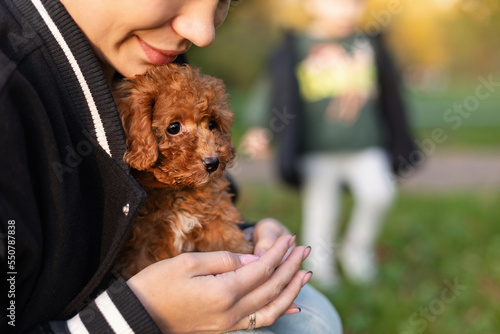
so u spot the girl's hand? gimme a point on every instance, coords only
(216, 292)
(265, 234)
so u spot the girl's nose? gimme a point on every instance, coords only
(198, 22)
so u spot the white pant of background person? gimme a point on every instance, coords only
(318, 316)
(369, 177)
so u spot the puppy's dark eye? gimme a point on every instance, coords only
(174, 128)
(212, 125)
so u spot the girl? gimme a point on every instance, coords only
(67, 200)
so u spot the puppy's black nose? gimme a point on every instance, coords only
(211, 164)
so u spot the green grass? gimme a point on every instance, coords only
(479, 128)
(427, 112)
(437, 108)
(471, 137)
(428, 242)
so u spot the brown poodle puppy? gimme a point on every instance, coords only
(177, 122)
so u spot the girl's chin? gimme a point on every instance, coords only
(132, 71)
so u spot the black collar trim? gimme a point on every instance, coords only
(81, 73)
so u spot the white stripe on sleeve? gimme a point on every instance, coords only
(112, 314)
(76, 326)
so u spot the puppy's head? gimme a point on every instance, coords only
(177, 122)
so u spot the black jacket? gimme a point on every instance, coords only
(67, 200)
(288, 110)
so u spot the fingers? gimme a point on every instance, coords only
(233, 286)
(247, 258)
(284, 304)
(265, 234)
(252, 275)
(281, 305)
(273, 288)
(213, 263)
(292, 309)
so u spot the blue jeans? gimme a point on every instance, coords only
(318, 316)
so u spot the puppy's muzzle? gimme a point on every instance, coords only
(211, 164)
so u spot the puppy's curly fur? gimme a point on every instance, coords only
(177, 122)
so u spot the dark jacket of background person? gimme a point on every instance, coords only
(71, 203)
(287, 104)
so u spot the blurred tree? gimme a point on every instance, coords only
(458, 37)
(473, 34)
(455, 37)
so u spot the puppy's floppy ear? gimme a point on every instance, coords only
(135, 99)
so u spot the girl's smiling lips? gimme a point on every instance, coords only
(158, 57)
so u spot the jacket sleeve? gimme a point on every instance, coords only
(393, 111)
(116, 310)
(286, 108)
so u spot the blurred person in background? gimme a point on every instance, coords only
(338, 111)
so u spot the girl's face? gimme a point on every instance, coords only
(131, 35)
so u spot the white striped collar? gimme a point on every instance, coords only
(98, 126)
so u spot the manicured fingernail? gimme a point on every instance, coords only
(247, 258)
(293, 311)
(307, 278)
(292, 240)
(307, 252)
